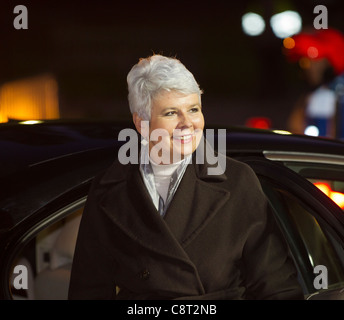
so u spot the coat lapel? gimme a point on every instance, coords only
(126, 202)
(195, 203)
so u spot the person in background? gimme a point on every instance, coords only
(320, 55)
(171, 229)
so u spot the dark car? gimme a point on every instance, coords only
(46, 170)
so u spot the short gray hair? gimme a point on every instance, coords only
(151, 75)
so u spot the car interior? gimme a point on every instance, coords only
(48, 258)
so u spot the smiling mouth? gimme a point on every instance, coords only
(184, 139)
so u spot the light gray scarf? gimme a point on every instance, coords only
(149, 181)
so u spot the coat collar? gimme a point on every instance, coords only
(209, 165)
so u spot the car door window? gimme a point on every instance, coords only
(329, 178)
(314, 234)
(47, 260)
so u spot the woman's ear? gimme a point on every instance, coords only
(142, 126)
(137, 122)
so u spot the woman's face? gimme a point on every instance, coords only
(176, 126)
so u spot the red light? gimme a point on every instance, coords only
(324, 43)
(336, 197)
(258, 122)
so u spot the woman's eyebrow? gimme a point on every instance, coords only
(196, 105)
(176, 108)
(169, 108)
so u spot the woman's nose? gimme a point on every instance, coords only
(184, 121)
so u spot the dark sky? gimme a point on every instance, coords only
(89, 46)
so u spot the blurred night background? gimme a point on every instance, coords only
(82, 51)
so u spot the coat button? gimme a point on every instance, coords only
(145, 274)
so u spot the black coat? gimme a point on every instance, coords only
(218, 240)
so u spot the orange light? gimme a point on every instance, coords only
(304, 63)
(324, 187)
(31, 98)
(289, 43)
(336, 197)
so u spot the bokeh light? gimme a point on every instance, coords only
(253, 24)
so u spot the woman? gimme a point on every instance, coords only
(167, 228)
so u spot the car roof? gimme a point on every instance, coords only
(242, 139)
(27, 145)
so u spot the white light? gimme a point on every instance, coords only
(253, 24)
(286, 24)
(310, 259)
(30, 122)
(312, 131)
(281, 132)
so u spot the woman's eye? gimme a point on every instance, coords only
(193, 110)
(170, 113)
